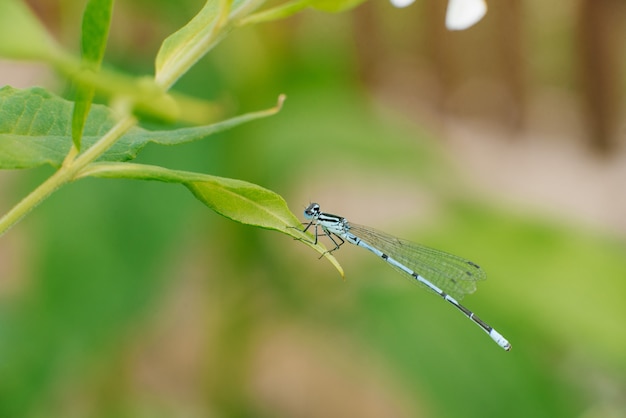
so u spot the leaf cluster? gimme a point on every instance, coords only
(81, 139)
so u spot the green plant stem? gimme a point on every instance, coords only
(65, 174)
(73, 163)
(139, 172)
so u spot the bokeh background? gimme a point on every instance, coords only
(503, 144)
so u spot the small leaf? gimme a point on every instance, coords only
(185, 47)
(191, 42)
(35, 129)
(335, 6)
(243, 202)
(82, 104)
(275, 13)
(95, 31)
(22, 36)
(290, 8)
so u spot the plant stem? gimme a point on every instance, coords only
(64, 175)
(74, 162)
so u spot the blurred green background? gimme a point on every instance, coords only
(130, 299)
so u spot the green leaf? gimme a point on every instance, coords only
(243, 202)
(35, 129)
(181, 50)
(82, 104)
(335, 6)
(22, 36)
(290, 8)
(275, 13)
(95, 31)
(186, 46)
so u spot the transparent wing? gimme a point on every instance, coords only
(454, 275)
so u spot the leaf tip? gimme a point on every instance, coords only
(301, 236)
(281, 99)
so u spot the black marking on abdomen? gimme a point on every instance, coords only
(384, 256)
(463, 309)
(481, 323)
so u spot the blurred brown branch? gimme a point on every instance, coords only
(493, 70)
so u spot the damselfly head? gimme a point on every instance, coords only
(312, 211)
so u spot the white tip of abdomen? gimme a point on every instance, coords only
(498, 338)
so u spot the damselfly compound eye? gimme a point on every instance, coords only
(311, 210)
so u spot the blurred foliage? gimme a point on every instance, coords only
(143, 303)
